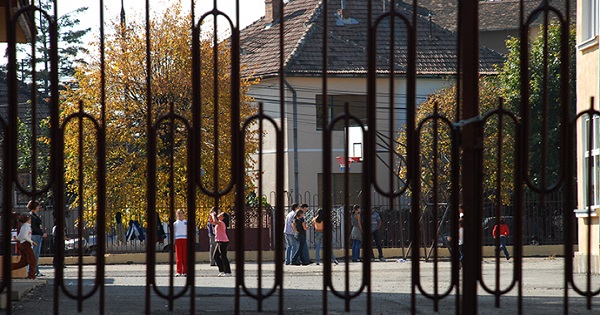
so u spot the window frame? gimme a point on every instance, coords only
(335, 105)
(589, 23)
(594, 154)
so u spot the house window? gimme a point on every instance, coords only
(338, 186)
(592, 155)
(590, 19)
(357, 105)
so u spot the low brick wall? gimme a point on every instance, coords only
(140, 258)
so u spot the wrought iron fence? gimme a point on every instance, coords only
(199, 147)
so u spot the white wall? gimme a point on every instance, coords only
(310, 139)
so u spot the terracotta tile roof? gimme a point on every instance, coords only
(347, 43)
(494, 15)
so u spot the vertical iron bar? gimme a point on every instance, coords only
(327, 172)
(590, 190)
(435, 207)
(468, 27)
(192, 174)
(81, 208)
(238, 157)
(569, 144)
(346, 193)
(545, 110)
(413, 163)
(101, 175)
(10, 153)
(151, 149)
(498, 201)
(172, 205)
(280, 149)
(455, 166)
(215, 94)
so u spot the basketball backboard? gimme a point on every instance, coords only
(355, 142)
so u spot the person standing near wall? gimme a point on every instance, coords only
(300, 227)
(120, 229)
(211, 237)
(319, 224)
(291, 243)
(25, 247)
(180, 229)
(221, 223)
(375, 225)
(304, 208)
(356, 233)
(37, 233)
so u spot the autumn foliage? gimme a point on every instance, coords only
(435, 154)
(128, 109)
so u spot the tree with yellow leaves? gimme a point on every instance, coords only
(443, 103)
(126, 119)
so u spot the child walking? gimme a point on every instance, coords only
(502, 228)
(180, 228)
(26, 245)
(221, 223)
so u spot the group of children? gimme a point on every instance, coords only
(219, 222)
(297, 252)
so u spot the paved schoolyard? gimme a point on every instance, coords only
(125, 290)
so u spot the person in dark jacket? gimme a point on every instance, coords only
(37, 233)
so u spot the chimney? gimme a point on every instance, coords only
(344, 11)
(272, 10)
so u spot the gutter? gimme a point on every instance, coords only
(295, 135)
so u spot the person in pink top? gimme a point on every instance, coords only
(221, 223)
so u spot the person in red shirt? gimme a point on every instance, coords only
(502, 229)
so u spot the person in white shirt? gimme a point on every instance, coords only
(180, 229)
(26, 245)
(291, 241)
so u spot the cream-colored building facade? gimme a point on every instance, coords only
(296, 101)
(303, 160)
(588, 87)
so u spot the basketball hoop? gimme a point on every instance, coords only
(343, 160)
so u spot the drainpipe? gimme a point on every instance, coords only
(295, 135)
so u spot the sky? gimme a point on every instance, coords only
(250, 11)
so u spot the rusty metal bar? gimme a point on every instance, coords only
(10, 150)
(327, 172)
(468, 38)
(151, 149)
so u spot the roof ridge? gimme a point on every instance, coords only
(300, 43)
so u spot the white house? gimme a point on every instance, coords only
(436, 65)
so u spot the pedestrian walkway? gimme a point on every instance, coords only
(391, 287)
(20, 288)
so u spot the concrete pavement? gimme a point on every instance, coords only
(125, 290)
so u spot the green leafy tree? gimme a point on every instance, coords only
(507, 85)
(443, 103)
(509, 79)
(127, 112)
(71, 48)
